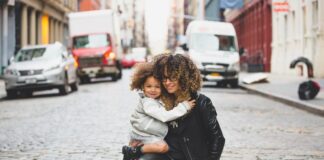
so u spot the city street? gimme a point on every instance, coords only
(93, 123)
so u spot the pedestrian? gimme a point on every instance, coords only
(197, 135)
(148, 120)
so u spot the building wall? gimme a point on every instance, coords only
(31, 22)
(190, 11)
(253, 27)
(298, 32)
(139, 27)
(126, 24)
(88, 5)
(212, 10)
(42, 22)
(7, 33)
(175, 23)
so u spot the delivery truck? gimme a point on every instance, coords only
(213, 47)
(95, 44)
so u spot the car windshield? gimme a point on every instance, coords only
(43, 53)
(29, 54)
(212, 42)
(91, 41)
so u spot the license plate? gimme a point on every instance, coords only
(92, 75)
(215, 74)
(31, 81)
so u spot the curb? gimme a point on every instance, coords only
(286, 100)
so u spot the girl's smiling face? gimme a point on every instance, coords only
(152, 88)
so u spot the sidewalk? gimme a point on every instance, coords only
(284, 88)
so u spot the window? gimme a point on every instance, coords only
(210, 42)
(29, 54)
(293, 24)
(91, 41)
(315, 14)
(304, 21)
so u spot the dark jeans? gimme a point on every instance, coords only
(154, 157)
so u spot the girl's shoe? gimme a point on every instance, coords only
(132, 152)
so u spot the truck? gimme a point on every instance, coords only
(95, 44)
(213, 47)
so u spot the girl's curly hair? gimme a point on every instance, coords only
(179, 67)
(141, 73)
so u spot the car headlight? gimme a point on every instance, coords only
(235, 66)
(53, 68)
(11, 72)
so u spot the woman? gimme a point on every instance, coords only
(197, 135)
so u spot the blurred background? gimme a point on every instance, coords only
(64, 89)
(269, 32)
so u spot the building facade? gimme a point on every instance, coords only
(139, 31)
(253, 26)
(88, 5)
(42, 22)
(175, 23)
(126, 23)
(212, 10)
(298, 32)
(7, 32)
(191, 11)
(26, 22)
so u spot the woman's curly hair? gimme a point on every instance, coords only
(179, 67)
(141, 73)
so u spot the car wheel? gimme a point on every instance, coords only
(27, 93)
(84, 80)
(114, 77)
(11, 94)
(120, 74)
(64, 88)
(220, 84)
(120, 69)
(234, 83)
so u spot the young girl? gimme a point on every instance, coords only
(148, 120)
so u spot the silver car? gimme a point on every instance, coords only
(41, 67)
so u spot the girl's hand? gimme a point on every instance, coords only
(134, 143)
(192, 103)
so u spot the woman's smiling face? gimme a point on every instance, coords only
(171, 84)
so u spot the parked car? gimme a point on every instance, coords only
(41, 67)
(128, 61)
(137, 55)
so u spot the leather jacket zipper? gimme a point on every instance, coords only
(187, 148)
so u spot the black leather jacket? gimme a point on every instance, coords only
(197, 135)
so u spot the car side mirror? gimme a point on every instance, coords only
(241, 51)
(10, 60)
(184, 47)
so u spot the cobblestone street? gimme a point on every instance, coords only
(93, 123)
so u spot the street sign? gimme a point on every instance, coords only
(280, 6)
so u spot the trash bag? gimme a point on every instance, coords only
(308, 90)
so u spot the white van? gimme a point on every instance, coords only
(213, 47)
